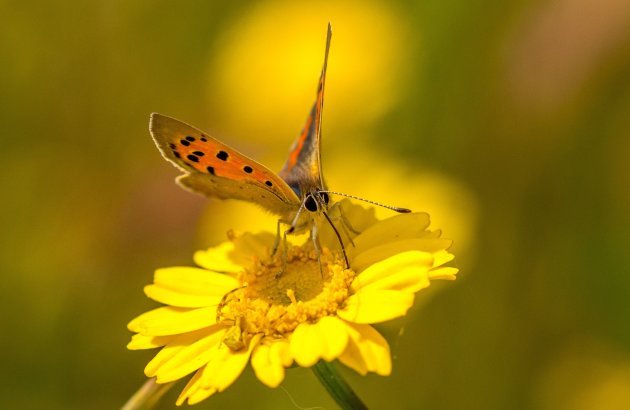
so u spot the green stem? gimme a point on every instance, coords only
(147, 396)
(337, 387)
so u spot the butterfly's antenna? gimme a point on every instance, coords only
(393, 208)
(343, 248)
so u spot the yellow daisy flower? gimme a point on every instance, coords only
(243, 304)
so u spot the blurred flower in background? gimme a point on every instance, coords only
(263, 75)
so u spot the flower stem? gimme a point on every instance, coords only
(147, 396)
(337, 387)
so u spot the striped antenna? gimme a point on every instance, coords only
(393, 208)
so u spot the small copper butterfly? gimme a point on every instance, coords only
(216, 170)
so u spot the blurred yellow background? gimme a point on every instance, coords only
(508, 122)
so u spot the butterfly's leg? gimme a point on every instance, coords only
(347, 222)
(348, 229)
(286, 232)
(277, 241)
(318, 252)
(284, 250)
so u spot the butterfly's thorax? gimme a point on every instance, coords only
(302, 170)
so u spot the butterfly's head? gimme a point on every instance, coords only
(316, 201)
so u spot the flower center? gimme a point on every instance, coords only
(277, 296)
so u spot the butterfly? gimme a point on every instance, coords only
(216, 170)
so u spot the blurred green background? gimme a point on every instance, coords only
(508, 121)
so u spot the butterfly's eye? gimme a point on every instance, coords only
(310, 203)
(325, 197)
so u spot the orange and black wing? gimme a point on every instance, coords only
(216, 170)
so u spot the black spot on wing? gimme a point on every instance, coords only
(210, 170)
(193, 158)
(203, 138)
(268, 183)
(176, 154)
(222, 155)
(184, 143)
(248, 169)
(191, 139)
(198, 153)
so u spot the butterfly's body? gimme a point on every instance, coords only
(216, 170)
(297, 194)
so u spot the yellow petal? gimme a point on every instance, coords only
(226, 366)
(193, 391)
(174, 298)
(348, 218)
(192, 351)
(305, 347)
(442, 257)
(367, 351)
(269, 361)
(358, 217)
(194, 281)
(324, 340)
(177, 344)
(248, 246)
(406, 272)
(447, 273)
(217, 259)
(376, 253)
(139, 342)
(404, 226)
(353, 358)
(333, 335)
(169, 320)
(234, 256)
(374, 306)
(282, 350)
(200, 395)
(268, 370)
(165, 312)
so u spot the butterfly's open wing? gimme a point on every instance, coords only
(303, 168)
(215, 170)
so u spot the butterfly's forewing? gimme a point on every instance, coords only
(215, 170)
(302, 171)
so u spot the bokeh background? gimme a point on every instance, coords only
(508, 121)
